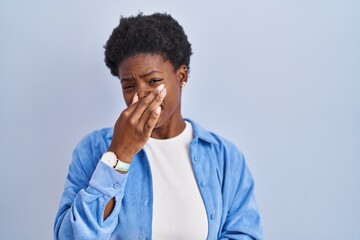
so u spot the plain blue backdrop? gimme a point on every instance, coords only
(281, 79)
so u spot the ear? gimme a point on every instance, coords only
(182, 74)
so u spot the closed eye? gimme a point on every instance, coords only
(127, 86)
(154, 81)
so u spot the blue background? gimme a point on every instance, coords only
(281, 79)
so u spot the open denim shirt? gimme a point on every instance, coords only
(224, 181)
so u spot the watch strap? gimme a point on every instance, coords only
(122, 166)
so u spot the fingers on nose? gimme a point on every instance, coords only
(144, 92)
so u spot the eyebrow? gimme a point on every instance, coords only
(141, 76)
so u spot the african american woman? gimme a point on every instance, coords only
(155, 175)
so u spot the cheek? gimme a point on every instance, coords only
(127, 99)
(172, 99)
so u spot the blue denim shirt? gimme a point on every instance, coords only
(224, 181)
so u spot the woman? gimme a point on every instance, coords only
(155, 175)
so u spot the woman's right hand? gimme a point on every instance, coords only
(135, 124)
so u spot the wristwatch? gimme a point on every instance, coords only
(110, 159)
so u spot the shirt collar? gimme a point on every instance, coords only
(201, 133)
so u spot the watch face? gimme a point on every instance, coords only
(109, 158)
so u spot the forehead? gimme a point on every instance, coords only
(143, 63)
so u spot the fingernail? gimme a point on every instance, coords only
(160, 87)
(135, 98)
(158, 110)
(163, 92)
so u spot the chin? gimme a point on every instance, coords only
(161, 121)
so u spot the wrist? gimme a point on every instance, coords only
(124, 157)
(112, 160)
(121, 155)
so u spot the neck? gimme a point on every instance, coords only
(171, 129)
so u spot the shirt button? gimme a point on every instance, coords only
(203, 184)
(196, 159)
(212, 216)
(146, 203)
(116, 185)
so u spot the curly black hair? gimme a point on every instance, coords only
(158, 33)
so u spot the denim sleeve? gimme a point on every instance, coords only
(243, 220)
(89, 186)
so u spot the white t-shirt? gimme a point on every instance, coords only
(178, 209)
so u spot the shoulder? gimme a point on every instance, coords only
(228, 155)
(93, 145)
(89, 150)
(222, 149)
(214, 140)
(225, 144)
(220, 155)
(95, 138)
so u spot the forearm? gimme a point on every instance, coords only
(110, 206)
(87, 213)
(83, 219)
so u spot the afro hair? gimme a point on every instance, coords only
(154, 34)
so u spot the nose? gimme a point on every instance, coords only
(143, 90)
